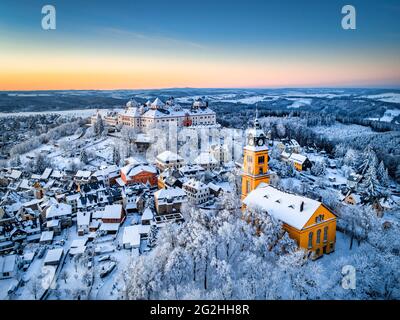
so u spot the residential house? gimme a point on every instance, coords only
(206, 160)
(197, 192)
(53, 257)
(300, 162)
(8, 266)
(170, 178)
(113, 214)
(353, 180)
(169, 159)
(83, 222)
(61, 212)
(169, 200)
(141, 173)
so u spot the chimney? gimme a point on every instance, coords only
(302, 206)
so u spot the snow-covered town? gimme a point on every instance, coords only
(98, 208)
(184, 158)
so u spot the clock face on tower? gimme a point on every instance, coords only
(260, 142)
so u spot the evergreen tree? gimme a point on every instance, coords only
(153, 236)
(340, 150)
(116, 156)
(41, 163)
(369, 160)
(98, 126)
(383, 175)
(83, 157)
(351, 159)
(370, 186)
(290, 170)
(397, 173)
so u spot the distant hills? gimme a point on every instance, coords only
(375, 104)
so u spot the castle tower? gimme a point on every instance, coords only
(255, 162)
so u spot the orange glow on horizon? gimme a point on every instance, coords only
(85, 72)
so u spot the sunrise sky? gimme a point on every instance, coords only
(208, 43)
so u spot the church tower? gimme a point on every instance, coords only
(255, 162)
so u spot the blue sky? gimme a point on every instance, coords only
(214, 31)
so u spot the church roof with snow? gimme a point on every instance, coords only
(291, 209)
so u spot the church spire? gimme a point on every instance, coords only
(256, 122)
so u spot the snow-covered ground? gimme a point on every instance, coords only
(66, 113)
(385, 97)
(388, 116)
(299, 102)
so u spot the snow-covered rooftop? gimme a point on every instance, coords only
(57, 210)
(53, 255)
(169, 156)
(83, 174)
(46, 236)
(83, 218)
(133, 170)
(164, 194)
(195, 184)
(7, 263)
(295, 157)
(283, 206)
(147, 214)
(112, 211)
(15, 174)
(131, 236)
(205, 158)
(46, 174)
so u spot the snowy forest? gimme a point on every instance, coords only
(216, 255)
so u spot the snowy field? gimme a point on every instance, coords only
(299, 103)
(388, 116)
(66, 113)
(385, 97)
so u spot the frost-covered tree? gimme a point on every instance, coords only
(84, 157)
(281, 130)
(340, 150)
(370, 186)
(41, 162)
(98, 126)
(369, 160)
(64, 276)
(397, 173)
(383, 175)
(209, 256)
(128, 134)
(356, 222)
(351, 158)
(318, 169)
(116, 156)
(35, 285)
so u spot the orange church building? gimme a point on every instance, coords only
(309, 222)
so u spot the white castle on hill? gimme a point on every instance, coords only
(160, 114)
